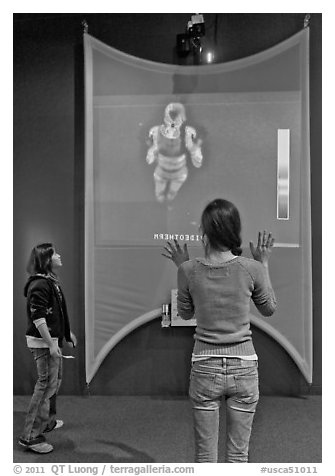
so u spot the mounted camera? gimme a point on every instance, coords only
(191, 40)
(196, 26)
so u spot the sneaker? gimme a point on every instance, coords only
(41, 447)
(57, 424)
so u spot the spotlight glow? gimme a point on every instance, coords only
(209, 56)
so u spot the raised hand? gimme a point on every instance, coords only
(175, 253)
(264, 244)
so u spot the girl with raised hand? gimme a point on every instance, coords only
(217, 290)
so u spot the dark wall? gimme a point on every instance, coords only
(48, 185)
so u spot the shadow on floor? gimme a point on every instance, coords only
(69, 452)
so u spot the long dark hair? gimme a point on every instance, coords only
(221, 224)
(40, 259)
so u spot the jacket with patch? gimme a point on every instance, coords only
(45, 299)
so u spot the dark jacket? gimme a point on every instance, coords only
(44, 300)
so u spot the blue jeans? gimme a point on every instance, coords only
(237, 381)
(41, 413)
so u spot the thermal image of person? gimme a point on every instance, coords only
(217, 291)
(170, 145)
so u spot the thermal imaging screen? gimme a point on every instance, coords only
(159, 162)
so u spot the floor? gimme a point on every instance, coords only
(100, 429)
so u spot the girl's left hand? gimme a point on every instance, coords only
(264, 245)
(73, 339)
(175, 253)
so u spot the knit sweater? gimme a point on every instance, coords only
(218, 297)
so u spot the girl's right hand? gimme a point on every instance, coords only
(175, 253)
(264, 244)
(55, 351)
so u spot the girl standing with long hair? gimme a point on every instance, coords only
(48, 326)
(217, 291)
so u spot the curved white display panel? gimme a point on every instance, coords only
(163, 140)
